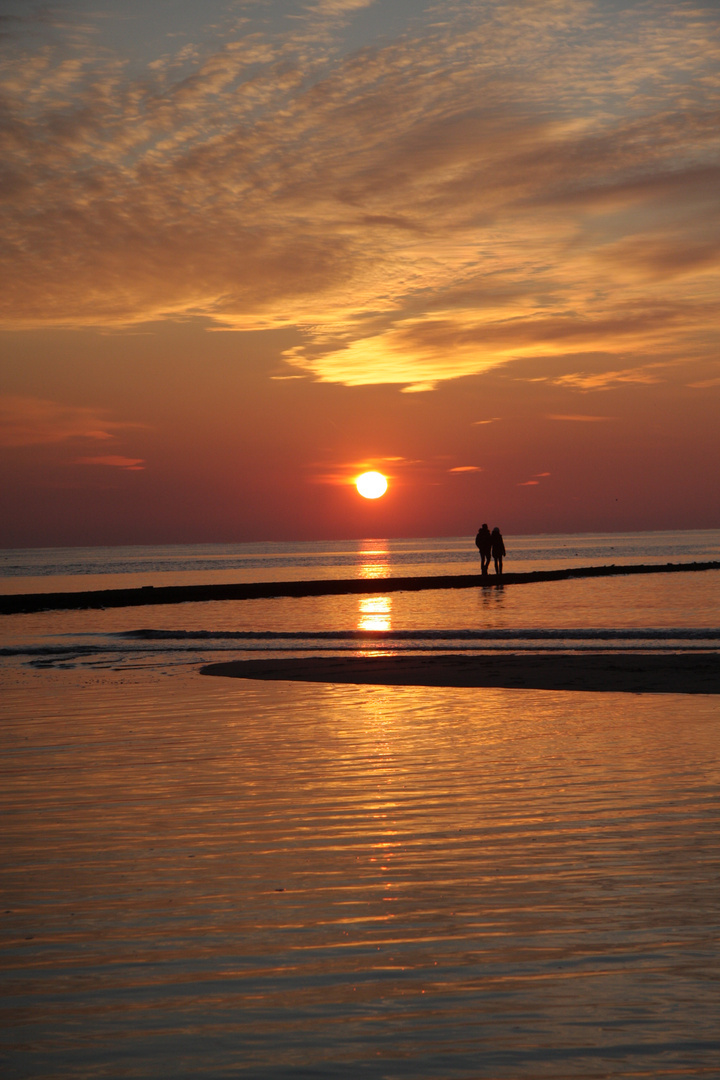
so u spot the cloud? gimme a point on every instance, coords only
(578, 418)
(423, 350)
(535, 481)
(705, 384)
(673, 255)
(114, 461)
(488, 186)
(338, 8)
(466, 468)
(28, 421)
(605, 380)
(346, 472)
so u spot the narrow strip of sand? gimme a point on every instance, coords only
(639, 673)
(25, 603)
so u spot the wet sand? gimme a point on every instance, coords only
(639, 673)
(24, 603)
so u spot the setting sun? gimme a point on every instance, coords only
(371, 485)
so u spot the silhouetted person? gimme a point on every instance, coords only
(497, 548)
(483, 541)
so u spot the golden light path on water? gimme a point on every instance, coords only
(218, 878)
(374, 612)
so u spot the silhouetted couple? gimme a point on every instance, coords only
(491, 546)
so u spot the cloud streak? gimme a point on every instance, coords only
(578, 418)
(29, 421)
(114, 461)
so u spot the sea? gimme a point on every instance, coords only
(217, 877)
(661, 613)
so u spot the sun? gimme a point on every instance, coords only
(371, 485)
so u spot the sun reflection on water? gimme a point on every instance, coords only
(374, 559)
(374, 612)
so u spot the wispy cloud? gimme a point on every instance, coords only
(705, 384)
(604, 380)
(578, 418)
(114, 461)
(335, 8)
(489, 186)
(28, 421)
(535, 480)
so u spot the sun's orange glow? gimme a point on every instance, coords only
(371, 485)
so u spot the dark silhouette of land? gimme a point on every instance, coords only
(23, 603)
(639, 673)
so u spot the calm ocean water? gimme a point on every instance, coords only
(666, 612)
(217, 878)
(59, 569)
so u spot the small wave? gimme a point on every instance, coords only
(529, 634)
(50, 650)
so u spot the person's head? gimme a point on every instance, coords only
(496, 530)
(484, 525)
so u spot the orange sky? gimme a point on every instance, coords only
(249, 250)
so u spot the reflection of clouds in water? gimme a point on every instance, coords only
(374, 612)
(374, 559)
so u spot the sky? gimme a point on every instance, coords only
(252, 249)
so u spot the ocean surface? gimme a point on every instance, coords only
(666, 612)
(208, 877)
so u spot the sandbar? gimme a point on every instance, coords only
(638, 673)
(25, 603)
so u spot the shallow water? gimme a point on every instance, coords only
(662, 611)
(74, 569)
(210, 878)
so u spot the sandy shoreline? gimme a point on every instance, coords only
(25, 603)
(639, 673)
